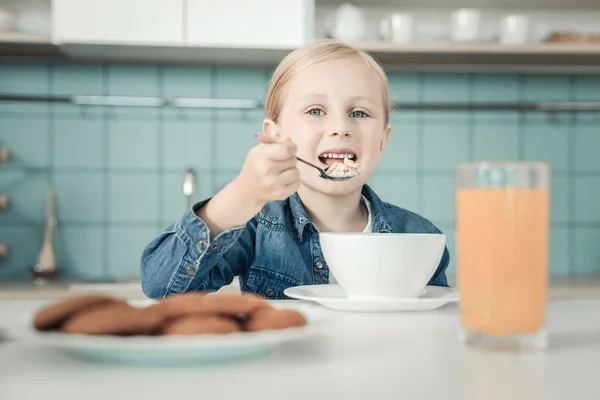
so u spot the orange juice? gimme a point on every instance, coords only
(502, 246)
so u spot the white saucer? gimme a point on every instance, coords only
(334, 297)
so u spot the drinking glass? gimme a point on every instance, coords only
(502, 233)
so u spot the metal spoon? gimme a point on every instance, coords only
(323, 174)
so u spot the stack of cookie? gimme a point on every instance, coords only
(183, 314)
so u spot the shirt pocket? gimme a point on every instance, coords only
(269, 284)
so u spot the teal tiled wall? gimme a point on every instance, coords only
(118, 172)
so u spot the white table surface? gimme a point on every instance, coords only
(581, 286)
(358, 356)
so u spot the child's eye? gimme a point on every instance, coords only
(358, 114)
(315, 111)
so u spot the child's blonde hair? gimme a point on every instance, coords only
(319, 51)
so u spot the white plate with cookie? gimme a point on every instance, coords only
(118, 331)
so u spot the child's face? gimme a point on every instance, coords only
(334, 107)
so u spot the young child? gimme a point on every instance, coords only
(326, 102)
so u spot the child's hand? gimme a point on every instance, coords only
(270, 170)
(269, 173)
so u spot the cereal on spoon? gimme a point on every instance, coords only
(348, 168)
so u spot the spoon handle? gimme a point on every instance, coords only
(306, 162)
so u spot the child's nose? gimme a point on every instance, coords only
(339, 127)
(339, 132)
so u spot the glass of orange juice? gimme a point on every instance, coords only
(502, 233)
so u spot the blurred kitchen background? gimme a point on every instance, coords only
(131, 109)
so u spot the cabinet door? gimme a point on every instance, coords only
(246, 23)
(118, 21)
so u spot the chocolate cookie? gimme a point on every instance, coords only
(179, 305)
(233, 304)
(272, 318)
(119, 318)
(201, 324)
(53, 316)
(200, 303)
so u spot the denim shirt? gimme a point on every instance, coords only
(278, 248)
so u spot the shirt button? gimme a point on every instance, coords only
(201, 244)
(301, 219)
(319, 265)
(191, 271)
(270, 292)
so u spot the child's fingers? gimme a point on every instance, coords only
(291, 187)
(277, 154)
(289, 176)
(287, 183)
(280, 151)
(264, 138)
(261, 137)
(284, 165)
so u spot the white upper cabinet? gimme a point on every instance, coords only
(144, 22)
(249, 23)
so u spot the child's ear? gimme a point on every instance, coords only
(270, 128)
(386, 136)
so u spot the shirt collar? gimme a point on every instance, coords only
(378, 211)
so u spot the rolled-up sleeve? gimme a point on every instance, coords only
(183, 258)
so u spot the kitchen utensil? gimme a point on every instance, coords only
(324, 175)
(347, 24)
(46, 269)
(397, 28)
(466, 25)
(502, 230)
(267, 139)
(7, 19)
(514, 29)
(4, 154)
(189, 187)
(3, 201)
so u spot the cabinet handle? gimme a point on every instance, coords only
(3, 201)
(4, 154)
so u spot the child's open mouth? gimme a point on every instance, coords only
(329, 159)
(340, 164)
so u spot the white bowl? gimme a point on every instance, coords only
(7, 19)
(382, 265)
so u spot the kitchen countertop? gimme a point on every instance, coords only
(27, 290)
(561, 288)
(357, 356)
